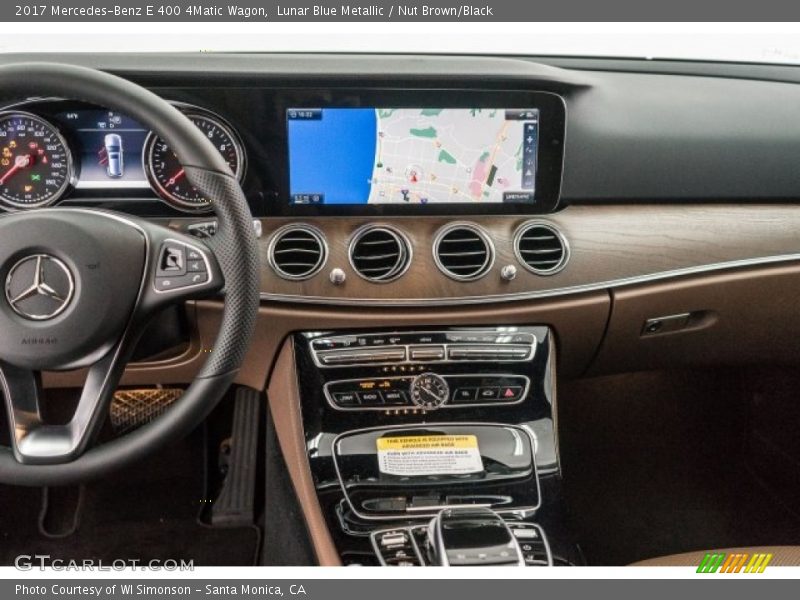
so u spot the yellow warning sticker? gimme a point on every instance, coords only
(419, 455)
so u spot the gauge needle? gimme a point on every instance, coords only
(20, 162)
(430, 393)
(173, 179)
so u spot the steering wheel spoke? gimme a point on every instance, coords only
(36, 442)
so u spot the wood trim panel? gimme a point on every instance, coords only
(610, 246)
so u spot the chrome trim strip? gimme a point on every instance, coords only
(534, 341)
(538, 294)
(522, 511)
(551, 378)
(477, 230)
(523, 229)
(311, 230)
(346, 357)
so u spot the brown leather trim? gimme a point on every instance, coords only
(284, 404)
(743, 316)
(175, 369)
(782, 556)
(579, 322)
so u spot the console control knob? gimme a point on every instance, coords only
(509, 272)
(429, 391)
(337, 276)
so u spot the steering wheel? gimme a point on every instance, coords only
(79, 286)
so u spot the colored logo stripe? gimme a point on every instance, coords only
(734, 563)
(711, 562)
(758, 563)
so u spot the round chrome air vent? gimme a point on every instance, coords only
(463, 251)
(297, 252)
(379, 253)
(541, 248)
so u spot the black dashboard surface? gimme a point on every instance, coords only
(686, 135)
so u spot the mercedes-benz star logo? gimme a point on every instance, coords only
(39, 287)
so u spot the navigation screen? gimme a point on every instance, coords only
(412, 155)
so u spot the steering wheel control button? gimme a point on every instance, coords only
(172, 261)
(180, 267)
(208, 229)
(165, 284)
(203, 230)
(39, 287)
(196, 266)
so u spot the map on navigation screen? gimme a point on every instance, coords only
(412, 155)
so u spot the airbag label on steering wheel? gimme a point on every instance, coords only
(420, 455)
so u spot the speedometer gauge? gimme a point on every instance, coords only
(166, 174)
(35, 161)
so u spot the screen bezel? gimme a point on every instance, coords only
(552, 121)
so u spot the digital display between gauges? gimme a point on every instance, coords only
(167, 175)
(35, 162)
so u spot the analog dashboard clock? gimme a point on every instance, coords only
(429, 391)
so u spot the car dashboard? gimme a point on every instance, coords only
(441, 240)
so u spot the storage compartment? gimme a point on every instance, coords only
(731, 318)
(416, 471)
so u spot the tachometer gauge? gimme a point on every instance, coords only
(166, 174)
(35, 161)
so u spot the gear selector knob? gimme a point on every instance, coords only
(472, 537)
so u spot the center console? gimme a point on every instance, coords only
(435, 446)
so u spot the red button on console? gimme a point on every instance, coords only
(510, 393)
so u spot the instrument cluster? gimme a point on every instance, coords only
(51, 150)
